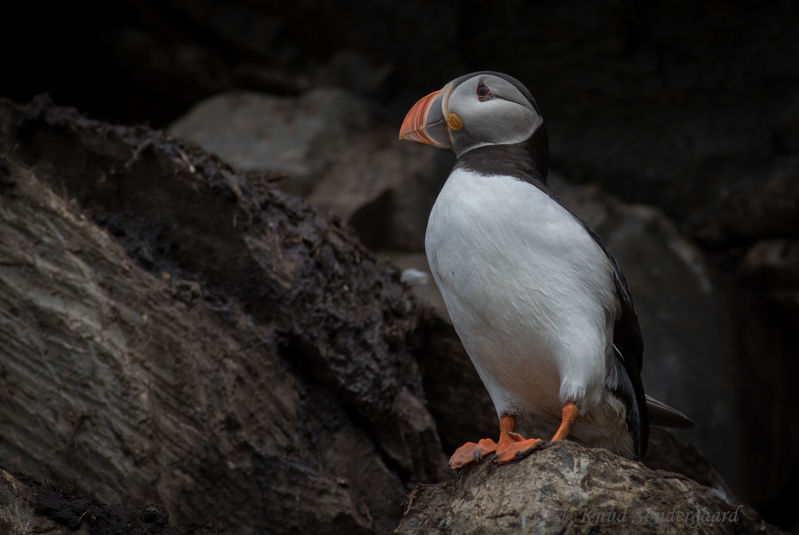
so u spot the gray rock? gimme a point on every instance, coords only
(773, 267)
(288, 137)
(423, 288)
(329, 148)
(567, 488)
(384, 189)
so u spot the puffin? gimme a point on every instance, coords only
(537, 300)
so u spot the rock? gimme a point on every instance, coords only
(423, 286)
(351, 70)
(567, 488)
(384, 189)
(17, 509)
(332, 149)
(279, 136)
(667, 452)
(29, 507)
(171, 334)
(773, 267)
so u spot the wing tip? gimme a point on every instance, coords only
(664, 415)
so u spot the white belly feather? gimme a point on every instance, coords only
(530, 293)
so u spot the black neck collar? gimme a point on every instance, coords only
(526, 160)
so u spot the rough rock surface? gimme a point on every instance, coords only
(567, 488)
(171, 335)
(27, 506)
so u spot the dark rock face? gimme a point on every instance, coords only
(566, 488)
(27, 506)
(170, 334)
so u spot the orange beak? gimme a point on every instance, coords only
(425, 122)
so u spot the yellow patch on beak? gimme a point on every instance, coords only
(454, 122)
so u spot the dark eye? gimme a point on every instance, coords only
(483, 92)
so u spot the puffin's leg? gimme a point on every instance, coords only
(568, 417)
(516, 446)
(511, 445)
(471, 452)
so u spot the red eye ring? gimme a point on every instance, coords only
(483, 92)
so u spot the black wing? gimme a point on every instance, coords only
(627, 341)
(629, 354)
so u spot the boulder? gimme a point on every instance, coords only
(170, 334)
(773, 267)
(280, 137)
(567, 488)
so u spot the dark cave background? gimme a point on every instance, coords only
(691, 107)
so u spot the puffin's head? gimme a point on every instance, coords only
(474, 110)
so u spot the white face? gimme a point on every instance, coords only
(493, 111)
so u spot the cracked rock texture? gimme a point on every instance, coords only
(169, 334)
(567, 488)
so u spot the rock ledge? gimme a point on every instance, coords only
(569, 488)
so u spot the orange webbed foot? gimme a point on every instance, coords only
(516, 448)
(472, 452)
(511, 445)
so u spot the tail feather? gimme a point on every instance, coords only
(665, 416)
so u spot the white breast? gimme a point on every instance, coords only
(530, 293)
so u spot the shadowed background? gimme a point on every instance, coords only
(674, 129)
